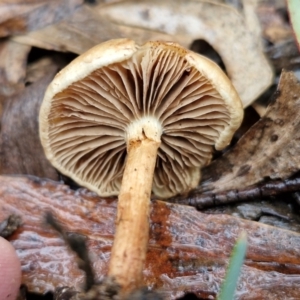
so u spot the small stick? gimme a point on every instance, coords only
(132, 225)
(78, 245)
(266, 189)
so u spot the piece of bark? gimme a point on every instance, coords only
(13, 58)
(269, 149)
(20, 148)
(21, 16)
(188, 250)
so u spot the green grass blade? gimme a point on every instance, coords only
(234, 268)
(294, 12)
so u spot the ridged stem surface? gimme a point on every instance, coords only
(132, 224)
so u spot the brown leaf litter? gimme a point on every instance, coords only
(270, 148)
(184, 22)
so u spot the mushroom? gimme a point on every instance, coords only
(123, 119)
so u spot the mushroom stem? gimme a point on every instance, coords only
(132, 224)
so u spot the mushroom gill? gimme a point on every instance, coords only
(91, 121)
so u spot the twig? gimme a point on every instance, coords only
(267, 189)
(107, 289)
(78, 245)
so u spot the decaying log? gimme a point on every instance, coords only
(188, 250)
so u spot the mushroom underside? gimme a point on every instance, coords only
(90, 121)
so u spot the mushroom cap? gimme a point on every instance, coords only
(118, 91)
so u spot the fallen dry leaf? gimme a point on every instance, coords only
(220, 25)
(19, 16)
(270, 148)
(20, 148)
(188, 250)
(83, 30)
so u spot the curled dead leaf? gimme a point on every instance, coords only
(232, 34)
(20, 148)
(88, 29)
(22, 16)
(269, 149)
(220, 25)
